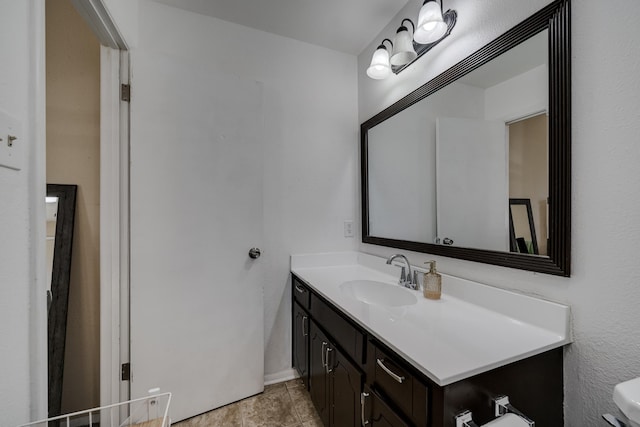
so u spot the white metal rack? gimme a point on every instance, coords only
(151, 411)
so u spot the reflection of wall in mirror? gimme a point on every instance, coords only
(401, 164)
(400, 189)
(528, 170)
(518, 97)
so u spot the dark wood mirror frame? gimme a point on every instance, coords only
(556, 18)
(60, 278)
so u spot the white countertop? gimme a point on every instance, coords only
(472, 329)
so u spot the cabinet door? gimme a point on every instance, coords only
(377, 413)
(345, 385)
(318, 389)
(301, 342)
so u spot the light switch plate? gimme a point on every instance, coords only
(12, 152)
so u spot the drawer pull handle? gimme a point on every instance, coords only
(363, 401)
(299, 289)
(323, 355)
(305, 333)
(393, 375)
(329, 370)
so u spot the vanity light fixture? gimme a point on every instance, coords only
(380, 67)
(433, 26)
(403, 50)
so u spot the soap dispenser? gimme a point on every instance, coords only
(432, 286)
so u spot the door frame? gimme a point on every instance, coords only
(36, 124)
(114, 226)
(114, 200)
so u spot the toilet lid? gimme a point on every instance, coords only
(627, 396)
(507, 420)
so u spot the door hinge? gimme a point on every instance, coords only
(126, 371)
(125, 92)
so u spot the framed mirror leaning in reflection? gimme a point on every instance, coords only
(60, 226)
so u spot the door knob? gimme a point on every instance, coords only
(447, 241)
(254, 253)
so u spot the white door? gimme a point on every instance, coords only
(196, 210)
(472, 183)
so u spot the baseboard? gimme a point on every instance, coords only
(281, 376)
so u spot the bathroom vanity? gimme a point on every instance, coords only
(373, 353)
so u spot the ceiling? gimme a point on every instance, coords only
(344, 25)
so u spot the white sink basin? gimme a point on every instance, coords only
(378, 293)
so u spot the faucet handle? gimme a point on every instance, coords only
(403, 276)
(416, 280)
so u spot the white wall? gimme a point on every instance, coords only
(402, 189)
(22, 218)
(604, 288)
(518, 97)
(125, 15)
(310, 142)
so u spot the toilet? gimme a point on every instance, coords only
(627, 396)
(507, 420)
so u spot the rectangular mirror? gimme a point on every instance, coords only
(440, 166)
(61, 208)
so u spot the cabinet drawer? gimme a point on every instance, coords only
(340, 329)
(376, 413)
(397, 384)
(300, 292)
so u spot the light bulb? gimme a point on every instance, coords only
(431, 26)
(403, 51)
(380, 67)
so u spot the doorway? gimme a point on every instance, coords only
(73, 158)
(529, 178)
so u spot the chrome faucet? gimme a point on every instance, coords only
(406, 279)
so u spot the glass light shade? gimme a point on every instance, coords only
(431, 26)
(403, 51)
(379, 68)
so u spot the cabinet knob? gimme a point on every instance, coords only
(254, 253)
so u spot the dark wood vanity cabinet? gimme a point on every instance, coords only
(335, 383)
(354, 378)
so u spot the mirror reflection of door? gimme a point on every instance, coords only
(471, 183)
(528, 174)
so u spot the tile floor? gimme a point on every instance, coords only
(285, 404)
